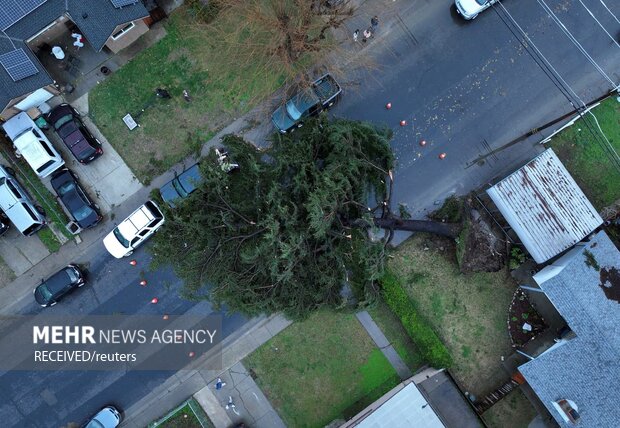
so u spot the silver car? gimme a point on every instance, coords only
(108, 417)
(469, 9)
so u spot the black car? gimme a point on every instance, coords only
(67, 123)
(4, 223)
(181, 186)
(53, 289)
(83, 211)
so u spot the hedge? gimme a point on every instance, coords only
(432, 348)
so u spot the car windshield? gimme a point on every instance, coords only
(66, 188)
(94, 424)
(482, 2)
(45, 166)
(124, 242)
(83, 213)
(179, 188)
(292, 110)
(45, 292)
(62, 121)
(73, 276)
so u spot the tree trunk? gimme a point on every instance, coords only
(445, 229)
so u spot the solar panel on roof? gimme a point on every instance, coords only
(18, 65)
(121, 3)
(12, 11)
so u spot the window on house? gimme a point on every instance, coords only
(568, 410)
(121, 31)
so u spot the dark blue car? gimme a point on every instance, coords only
(181, 186)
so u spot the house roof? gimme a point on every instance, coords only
(406, 408)
(544, 205)
(584, 286)
(96, 19)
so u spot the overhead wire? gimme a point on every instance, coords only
(558, 81)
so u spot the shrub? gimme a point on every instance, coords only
(517, 258)
(432, 348)
(451, 211)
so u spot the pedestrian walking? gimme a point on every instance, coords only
(374, 22)
(219, 384)
(367, 35)
(356, 34)
(230, 404)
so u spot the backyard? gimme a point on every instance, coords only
(321, 369)
(586, 159)
(173, 128)
(187, 415)
(468, 312)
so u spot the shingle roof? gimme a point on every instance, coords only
(96, 19)
(544, 205)
(585, 369)
(10, 89)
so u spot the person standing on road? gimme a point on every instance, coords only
(356, 34)
(219, 384)
(374, 22)
(367, 35)
(230, 404)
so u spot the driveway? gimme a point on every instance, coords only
(108, 179)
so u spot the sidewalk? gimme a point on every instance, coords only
(218, 363)
(383, 344)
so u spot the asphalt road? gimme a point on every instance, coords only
(53, 399)
(465, 87)
(469, 87)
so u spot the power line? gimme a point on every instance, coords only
(610, 12)
(575, 41)
(601, 25)
(545, 65)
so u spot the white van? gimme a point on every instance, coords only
(31, 143)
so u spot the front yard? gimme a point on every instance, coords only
(586, 158)
(171, 129)
(469, 314)
(321, 369)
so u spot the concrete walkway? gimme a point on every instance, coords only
(383, 344)
(249, 401)
(251, 405)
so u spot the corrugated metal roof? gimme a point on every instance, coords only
(407, 408)
(584, 369)
(545, 207)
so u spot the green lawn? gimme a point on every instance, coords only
(468, 312)
(324, 368)
(585, 158)
(187, 416)
(171, 129)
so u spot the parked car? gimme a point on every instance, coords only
(469, 9)
(134, 230)
(32, 144)
(83, 211)
(181, 186)
(108, 417)
(17, 205)
(322, 94)
(53, 289)
(4, 223)
(70, 128)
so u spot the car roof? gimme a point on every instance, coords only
(191, 177)
(32, 150)
(135, 222)
(58, 281)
